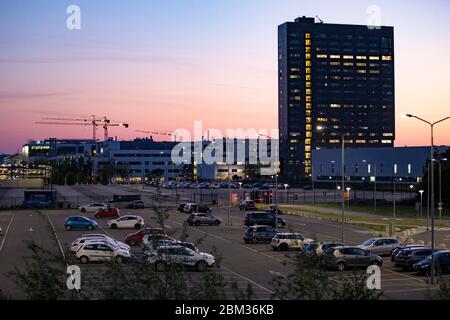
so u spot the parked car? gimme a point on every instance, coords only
(441, 263)
(167, 255)
(256, 234)
(274, 210)
(203, 218)
(107, 213)
(136, 204)
(79, 222)
(406, 258)
(77, 243)
(126, 222)
(342, 258)
(381, 246)
(281, 222)
(155, 241)
(155, 244)
(247, 205)
(150, 238)
(260, 218)
(135, 239)
(410, 246)
(318, 248)
(93, 207)
(181, 207)
(288, 241)
(101, 251)
(308, 187)
(115, 244)
(198, 208)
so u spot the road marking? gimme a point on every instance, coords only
(409, 290)
(56, 237)
(404, 275)
(326, 235)
(248, 279)
(277, 273)
(241, 245)
(6, 232)
(248, 248)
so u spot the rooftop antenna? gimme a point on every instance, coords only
(320, 20)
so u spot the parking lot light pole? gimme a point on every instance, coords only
(229, 198)
(321, 128)
(286, 193)
(421, 202)
(431, 124)
(440, 188)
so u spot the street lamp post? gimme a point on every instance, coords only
(421, 202)
(440, 207)
(369, 165)
(276, 188)
(342, 173)
(229, 198)
(240, 190)
(285, 193)
(375, 187)
(348, 191)
(431, 124)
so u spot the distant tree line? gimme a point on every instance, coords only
(444, 175)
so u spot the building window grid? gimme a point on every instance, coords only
(308, 105)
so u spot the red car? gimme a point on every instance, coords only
(107, 213)
(135, 239)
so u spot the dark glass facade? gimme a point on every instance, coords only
(333, 79)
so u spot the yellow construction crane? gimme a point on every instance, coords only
(104, 122)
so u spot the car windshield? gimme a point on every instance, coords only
(368, 242)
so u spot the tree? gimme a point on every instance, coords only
(311, 281)
(252, 172)
(43, 277)
(121, 171)
(155, 174)
(443, 292)
(445, 165)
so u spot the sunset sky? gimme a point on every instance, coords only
(162, 64)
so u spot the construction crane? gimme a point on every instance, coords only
(104, 122)
(159, 133)
(264, 135)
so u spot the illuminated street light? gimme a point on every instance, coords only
(431, 124)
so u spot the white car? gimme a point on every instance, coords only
(126, 222)
(93, 207)
(164, 256)
(289, 241)
(77, 243)
(101, 251)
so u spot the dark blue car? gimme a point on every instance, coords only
(256, 234)
(79, 222)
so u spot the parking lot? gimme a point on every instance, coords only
(243, 263)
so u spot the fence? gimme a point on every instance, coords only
(150, 199)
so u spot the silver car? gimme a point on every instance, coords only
(181, 255)
(342, 258)
(381, 246)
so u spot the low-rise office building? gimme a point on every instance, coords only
(405, 165)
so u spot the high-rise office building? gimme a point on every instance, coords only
(333, 79)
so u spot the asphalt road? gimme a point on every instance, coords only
(243, 263)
